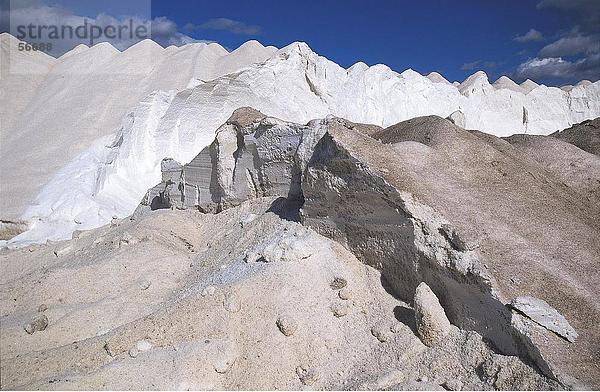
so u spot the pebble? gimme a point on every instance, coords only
(232, 304)
(338, 283)
(143, 345)
(396, 328)
(453, 385)
(380, 334)
(133, 352)
(223, 365)
(42, 308)
(339, 309)
(287, 325)
(307, 376)
(145, 285)
(345, 294)
(208, 290)
(38, 323)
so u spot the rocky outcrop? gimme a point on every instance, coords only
(585, 135)
(474, 217)
(252, 156)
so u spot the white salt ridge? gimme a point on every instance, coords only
(437, 78)
(53, 109)
(294, 84)
(506, 83)
(529, 85)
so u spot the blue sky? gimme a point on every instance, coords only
(550, 41)
(443, 36)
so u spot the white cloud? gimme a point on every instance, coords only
(571, 45)
(233, 26)
(559, 68)
(531, 36)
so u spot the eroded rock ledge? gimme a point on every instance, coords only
(465, 212)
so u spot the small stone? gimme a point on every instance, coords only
(423, 379)
(397, 327)
(452, 385)
(42, 308)
(339, 309)
(245, 220)
(232, 304)
(307, 376)
(126, 239)
(143, 345)
(208, 290)
(345, 294)
(38, 323)
(287, 325)
(223, 365)
(380, 333)
(133, 352)
(431, 321)
(338, 283)
(145, 285)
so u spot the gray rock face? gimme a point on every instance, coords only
(466, 213)
(432, 323)
(585, 135)
(252, 156)
(545, 315)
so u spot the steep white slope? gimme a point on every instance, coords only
(529, 85)
(294, 84)
(507, 83)
(56, 108)
(437, 78)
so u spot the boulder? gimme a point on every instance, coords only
(432, 323)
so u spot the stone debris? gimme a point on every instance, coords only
(208, 291)
(338, 283)
(397, 328)
(307, 376)
(381, 333)
(143, 345)
(340, 309)
(145, 285)
(127, 239)
(453, 385)
(345, 294)
(432, 323)
(232, 303)
(223, 355)
(545, 315)
(287, 325)
(38, 323)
